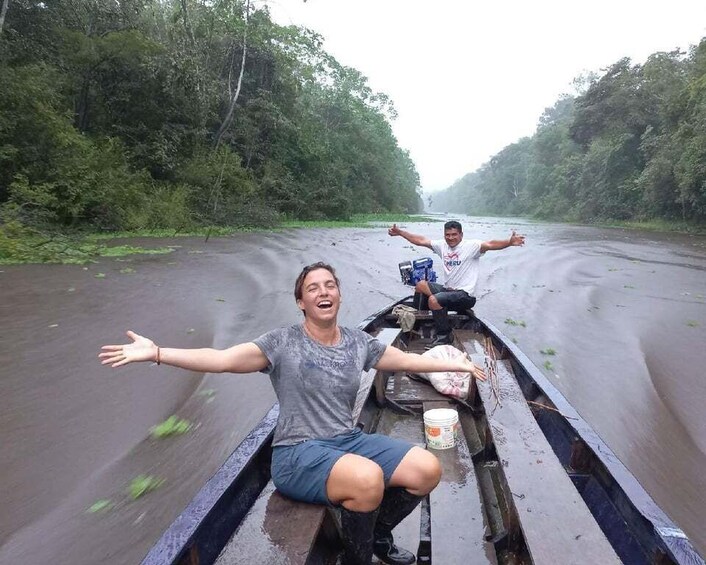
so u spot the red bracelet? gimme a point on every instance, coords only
(159, 362)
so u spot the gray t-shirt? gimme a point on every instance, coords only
(316, 384)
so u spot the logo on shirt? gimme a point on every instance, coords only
(452, 259)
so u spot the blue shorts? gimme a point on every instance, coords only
(452, 299)
(300, 471)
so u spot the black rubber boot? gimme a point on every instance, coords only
(357, 532)
(443, 328)
(396, 505)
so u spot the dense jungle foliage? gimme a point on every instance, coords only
(630, 146)
(147, 114)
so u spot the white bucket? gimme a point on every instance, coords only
(441, 427)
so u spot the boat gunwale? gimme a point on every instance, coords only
(675, 541)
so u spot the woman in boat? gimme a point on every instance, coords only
(319, 455)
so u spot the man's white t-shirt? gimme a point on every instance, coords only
(461, 263)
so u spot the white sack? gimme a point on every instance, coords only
(450, 383)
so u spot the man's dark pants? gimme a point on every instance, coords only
(450, 299)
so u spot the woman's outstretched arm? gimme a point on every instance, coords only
(243, 358)
(397, 360)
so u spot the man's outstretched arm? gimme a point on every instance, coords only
(411, 237)
(497, 244)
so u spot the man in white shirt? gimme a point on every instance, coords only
(461, 265)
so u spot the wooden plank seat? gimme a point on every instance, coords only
(427, 315)
(404, 390)
(555, 522)
(280, 531)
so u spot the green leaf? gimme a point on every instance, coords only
(142, 484)
(101, 505)
(171, 426)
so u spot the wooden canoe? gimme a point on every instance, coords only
(529, 481)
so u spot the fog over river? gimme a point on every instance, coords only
(624, 310)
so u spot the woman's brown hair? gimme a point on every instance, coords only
(306, 270)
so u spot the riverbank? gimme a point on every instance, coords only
(652, 225)
(23, 245)
(655, 225)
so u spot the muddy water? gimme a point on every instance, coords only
(625, 312)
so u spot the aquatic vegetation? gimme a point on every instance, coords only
(548, 351)
(122, 250)
(171, 426)
(142, 484)
(548, 365)
(511, 322)
(101, 505)
(358, 221)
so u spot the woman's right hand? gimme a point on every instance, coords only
(141, 349)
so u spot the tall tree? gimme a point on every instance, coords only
(234, 96)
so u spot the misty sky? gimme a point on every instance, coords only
(468, 78)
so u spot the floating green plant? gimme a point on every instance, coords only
(170, 427)
(122, 250)
(101, 505)
(142, 484)
(548, 351)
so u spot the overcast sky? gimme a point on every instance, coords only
(468, 78)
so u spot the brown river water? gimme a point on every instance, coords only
(624, 310)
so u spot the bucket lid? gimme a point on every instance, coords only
(440, 415)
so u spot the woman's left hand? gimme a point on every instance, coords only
(475, 370)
